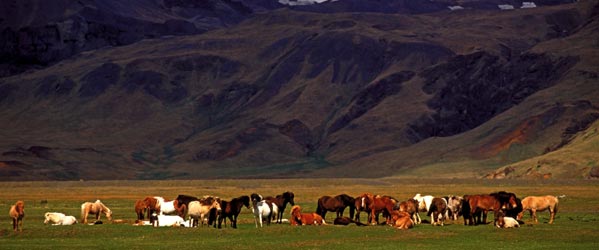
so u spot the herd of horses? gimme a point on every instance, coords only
(506, 207)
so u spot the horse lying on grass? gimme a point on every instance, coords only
(299, 219)
(59, 219)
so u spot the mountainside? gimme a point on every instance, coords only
(276, 92)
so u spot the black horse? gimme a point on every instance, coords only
(336, 204)
(231, 209)
(281, 202)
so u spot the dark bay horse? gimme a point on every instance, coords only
(281, 202)
(231, 209)
(336, 204)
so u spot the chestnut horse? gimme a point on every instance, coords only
(231, 209)
(362, 203)
(411, 207)
(298, 218)
(96, 208)
(490, 202)
(17, 212)
(336, 204)
(153, 206)
(281, 202)
(380, 204)
(540, 203)
(140, 209)
(437, 211)
(401, 220)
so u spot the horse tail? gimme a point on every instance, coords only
(83, 213)
(319, 207)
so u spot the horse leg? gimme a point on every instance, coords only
(551, 215)
(534, 215)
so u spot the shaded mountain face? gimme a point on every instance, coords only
(287, 93)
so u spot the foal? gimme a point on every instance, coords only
(17, 212)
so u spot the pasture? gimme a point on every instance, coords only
(576, 224)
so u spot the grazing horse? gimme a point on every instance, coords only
(96, 208)
(490, 202)
(336, 204)
(231, 209)
(59, 219)
(540, 203)
(281, 201)
(199, 209)
(401, 220)
(411, 207)
(299, 219)
(262, 210)
(17, 212)
(380, 204)
(437, 211)
(140, 209)
(454, 206)
(153, 206)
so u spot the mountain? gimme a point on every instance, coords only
(280, 92)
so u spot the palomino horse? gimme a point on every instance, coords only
(17, 212)
(540, 203)
(262, 210)
(231, 209)
(199, 209)
(336, 204)
(299, 219)
(411, 207)
(94, 208)
(281, 202)
(140, 209)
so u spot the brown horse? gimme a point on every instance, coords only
(362, 203)
(437, 211)
(411, 207)
(384, 204)
(540, 203)
(298, 218)
(231, 209)
(336, 204)
(153, 206)
(96, 208)
(490, 202)
(281, 202)
(17, 212)
(140, 209)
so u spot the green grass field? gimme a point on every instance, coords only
(576, 225)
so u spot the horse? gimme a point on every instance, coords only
(262, 210)
(199, 209)
(454, 207)
(503, 221)
(94, 208)
(170, 207)
(140, 209)
(540, 203)
(336, 204)
(281, 202)
(162, 220)
(424, 202)
(59, 219)
(17, 212)
(231, 209)
(410, 206)
(401, 220)
(153, 206)
(437, 211)
(379, 204)
(490, 202)
(346, 221)
(361, 204)
(299, 219)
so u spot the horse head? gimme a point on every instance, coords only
(245, 201)
(20, 207)
(255, 198)
(288, 197)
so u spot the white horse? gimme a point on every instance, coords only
(454, 205)
(59, 219)
(199, 209)
(169, 221)
(424, 202)
(262, 210)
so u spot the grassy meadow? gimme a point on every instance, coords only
(576, 224)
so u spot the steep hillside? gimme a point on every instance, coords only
(287, 93)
